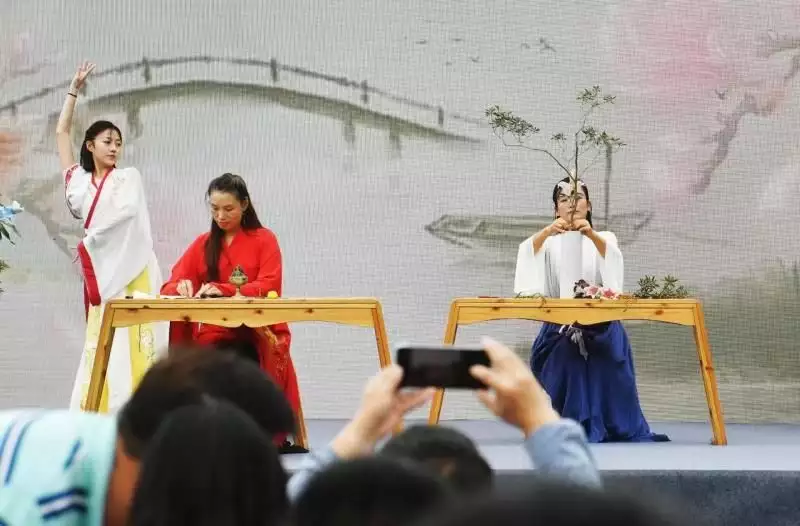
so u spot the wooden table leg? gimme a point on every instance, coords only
(381, 339)
(709, 377)
(100, 366)
(449, 339)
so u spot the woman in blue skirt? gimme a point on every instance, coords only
(587, 370)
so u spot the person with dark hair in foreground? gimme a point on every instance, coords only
(539, 502)
(82, 468)
(186, 377)
(235, 241)
(557, 446)
(446, 452)
(240, 480)
(373, 491)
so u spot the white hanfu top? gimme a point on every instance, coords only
(539, 273)
(117, 243)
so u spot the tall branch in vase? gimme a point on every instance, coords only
(575, 152)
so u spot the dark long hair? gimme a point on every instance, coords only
(230, 184)
(557, 190)
(210, 464)
(87, 161)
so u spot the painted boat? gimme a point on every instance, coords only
(504, 232)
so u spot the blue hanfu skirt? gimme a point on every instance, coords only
(594, 382)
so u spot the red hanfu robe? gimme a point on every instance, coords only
(258, 254)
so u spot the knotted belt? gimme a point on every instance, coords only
(576, 336)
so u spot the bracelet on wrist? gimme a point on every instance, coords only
(72, 94)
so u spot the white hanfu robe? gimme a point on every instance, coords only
(539, 273)
(117, 260)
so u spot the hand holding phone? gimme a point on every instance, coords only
(440, 366)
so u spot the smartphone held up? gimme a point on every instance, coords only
(443, 366)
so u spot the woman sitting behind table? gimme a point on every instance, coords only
(236, 238)
(587, 370)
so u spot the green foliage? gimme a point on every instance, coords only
(3, 266)
(586, 139)
(6, 229)
(649, 287)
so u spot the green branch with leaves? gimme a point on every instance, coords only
(649, 287)
(568, 150)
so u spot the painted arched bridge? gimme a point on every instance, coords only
(134, 85)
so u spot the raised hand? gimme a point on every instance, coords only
(513, 394)
(557, 227)
(80, 76)
(383, 407)
(582, 226)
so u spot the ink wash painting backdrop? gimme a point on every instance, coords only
(359, 128)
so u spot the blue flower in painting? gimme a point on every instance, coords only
(7, 213)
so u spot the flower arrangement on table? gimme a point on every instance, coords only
(586, 290)
(649, 288)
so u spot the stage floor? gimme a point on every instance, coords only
(750, 447)
(754, 480)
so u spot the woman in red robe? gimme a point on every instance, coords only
(236, 238)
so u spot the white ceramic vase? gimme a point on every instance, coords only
(570, 263)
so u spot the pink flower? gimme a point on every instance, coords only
(672, 51)
(591, 291)
(608, 293)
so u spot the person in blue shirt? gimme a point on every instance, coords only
(66, 468)
(556, 446)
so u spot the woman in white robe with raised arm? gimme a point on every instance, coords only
(587, 370)
(116, 253)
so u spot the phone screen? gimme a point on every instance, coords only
(442, 366)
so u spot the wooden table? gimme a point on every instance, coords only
(688, 312)
(233, 312)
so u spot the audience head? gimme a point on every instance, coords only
(446, 452)
(539, 502)
(188, 377)
(370, 491)
(210, 464)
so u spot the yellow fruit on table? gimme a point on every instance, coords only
(272, 294)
